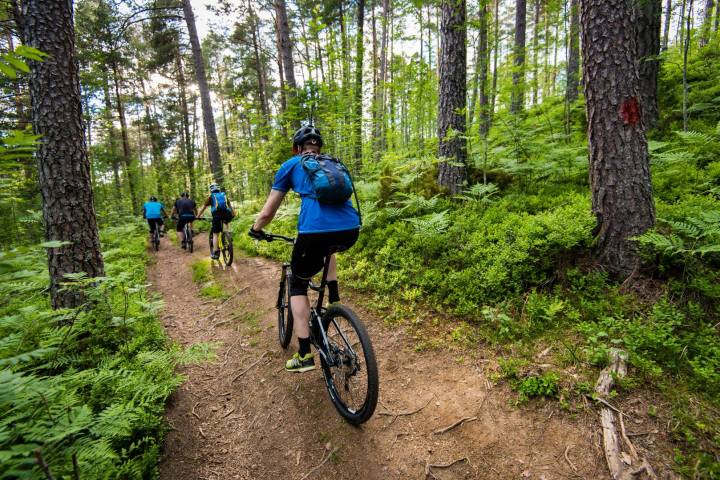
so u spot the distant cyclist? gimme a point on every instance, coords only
(321, 226)
(186, 211)
(153, 212)
(222, 214)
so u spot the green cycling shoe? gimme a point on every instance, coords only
(301, 364)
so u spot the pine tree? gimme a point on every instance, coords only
(63, 165)
(453, 83)
(619, 164)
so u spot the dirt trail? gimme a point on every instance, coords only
(268, 424)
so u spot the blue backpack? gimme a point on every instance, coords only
(218, 202)
(330, 178)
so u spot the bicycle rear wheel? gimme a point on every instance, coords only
(351, 377)
(227, 248)
(189, 238)
(156, 239)
(285, 318)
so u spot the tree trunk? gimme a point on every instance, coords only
(188, 149)
(213, 148)
(648, 14)
(111, 135)
(707, 22)
(484, 60)
(573, 64)
(666, 27)
(535, 46)
(496, 53)
(686, 49)
(452, 93)
(260, 72)
(359, 57)
(619, 165)
(380, 100)
(154, 132)
(127, 154)
(517, 101)
(63, 165)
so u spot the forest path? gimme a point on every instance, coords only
(269, 424)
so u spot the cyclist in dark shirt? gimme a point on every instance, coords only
(186, 211)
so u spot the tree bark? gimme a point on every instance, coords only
(622, 197)
(452, 92)
(155, 133)
(260, 72)
(111, 135)
(380, 100)
(213, 147)
(707, 22)
(188, 149)
(127, 154)
(573, 64)
(63, 165)
(517, 101)
(648, 14)
(535, 46)
(359, 57)
(484, 60)
(666, 27)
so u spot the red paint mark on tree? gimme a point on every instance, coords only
(630, 111)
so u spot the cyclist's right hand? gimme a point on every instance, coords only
(258, 234)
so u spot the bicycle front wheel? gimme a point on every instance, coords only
(351, 373)
(285, 318)
(227, 248)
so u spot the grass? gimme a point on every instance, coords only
(203, 276)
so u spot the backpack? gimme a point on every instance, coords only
(218, 202)
(330, 178)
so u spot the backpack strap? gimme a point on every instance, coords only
(357, 202)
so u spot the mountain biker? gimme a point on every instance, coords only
(186, 210)
(320, 227)
(222, 213)
(153, 212)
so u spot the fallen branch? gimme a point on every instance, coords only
(248, 368)
(619, 463)
(229, 412)
(567, 457)
(193, 411)
(321, 464)
(456, 424)
(202, 434)
(430, 466)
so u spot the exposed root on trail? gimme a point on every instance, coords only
(333, 452)
(456, 424)
(430, 466)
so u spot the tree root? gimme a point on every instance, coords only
(248, 368)
(395, 415)
(321, 464)
(430, 466)
(456, 424)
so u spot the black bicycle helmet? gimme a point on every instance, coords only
(184, 195)
(308, 132)
(153, 199)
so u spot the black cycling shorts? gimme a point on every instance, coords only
(182, 221)
(308, 256)
(154, 221)
(218, 218)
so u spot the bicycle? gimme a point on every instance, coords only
(224, 243)
(155, 239)
(342, 365)
(188, 234)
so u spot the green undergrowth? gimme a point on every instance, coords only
(85, 386)
(202, 275)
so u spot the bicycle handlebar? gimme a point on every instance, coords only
(269, 237)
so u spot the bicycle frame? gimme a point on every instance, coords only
(317, 311)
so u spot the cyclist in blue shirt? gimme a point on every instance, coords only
(153, 212)
(222, 214)
(320, 227)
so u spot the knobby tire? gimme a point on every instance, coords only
(368, 362)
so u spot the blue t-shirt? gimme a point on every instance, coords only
(152, 209)
(315, 216)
